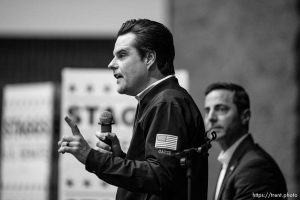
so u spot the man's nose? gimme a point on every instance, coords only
(112, 64)
(212, 117)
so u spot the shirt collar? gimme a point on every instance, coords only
(225, 156)
(140, 95)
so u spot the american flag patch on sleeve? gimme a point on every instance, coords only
(165, 141)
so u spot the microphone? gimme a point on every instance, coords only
(203, 149)
(106, 120)
(206, 146)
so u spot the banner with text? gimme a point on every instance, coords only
(27, 121)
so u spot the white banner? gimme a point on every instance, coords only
(27, 121)
(86, 93)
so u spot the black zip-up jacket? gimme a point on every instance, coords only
(167, 121)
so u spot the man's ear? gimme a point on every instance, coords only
(149, 59)
(245, 116)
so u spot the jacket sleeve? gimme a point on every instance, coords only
(165, 131)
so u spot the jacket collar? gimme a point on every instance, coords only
(245, 145)
(140, 95)
(225, 156)
(168, 83)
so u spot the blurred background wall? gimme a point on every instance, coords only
(253, 43)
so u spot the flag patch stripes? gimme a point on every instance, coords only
(166, 141)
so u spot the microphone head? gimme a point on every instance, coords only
(106, 118)
(213, 135)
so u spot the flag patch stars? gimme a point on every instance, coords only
(165, 141)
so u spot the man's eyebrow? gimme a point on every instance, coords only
(217, 105)
(124, 50)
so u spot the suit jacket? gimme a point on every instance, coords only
(252, 174)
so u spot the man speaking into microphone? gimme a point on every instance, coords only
(167, 121)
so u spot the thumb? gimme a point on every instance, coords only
(73, 126)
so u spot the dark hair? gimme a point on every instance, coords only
(152, 36)
(240, 96)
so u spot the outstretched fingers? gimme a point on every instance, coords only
(73, 126)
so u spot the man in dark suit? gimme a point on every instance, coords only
(248, 172)
(167, 121)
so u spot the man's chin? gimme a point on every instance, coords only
(120, 89)
(123, 91)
